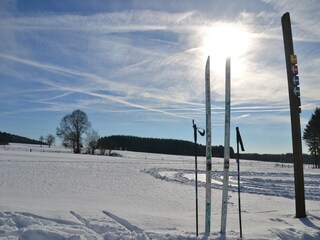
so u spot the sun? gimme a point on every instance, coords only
(225, 40)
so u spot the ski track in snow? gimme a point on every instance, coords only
(279, 184)
(123, 222)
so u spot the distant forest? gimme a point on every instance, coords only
(5, 138)
(182, 147)
(156, 145)
(281, 158)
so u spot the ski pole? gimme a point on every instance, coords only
(195, 129)
(239, 141)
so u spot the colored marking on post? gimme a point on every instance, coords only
(295, 69)
(295, 80)
(296, 91)
(293, 59)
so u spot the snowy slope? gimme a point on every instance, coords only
(53, 194)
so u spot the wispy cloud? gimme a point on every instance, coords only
(304, 15)
(100, 84)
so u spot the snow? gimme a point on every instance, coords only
(50, 193)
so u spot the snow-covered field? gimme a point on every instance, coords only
(54, 194)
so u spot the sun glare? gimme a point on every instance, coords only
(224, 40)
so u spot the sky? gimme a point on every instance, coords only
(137, 67)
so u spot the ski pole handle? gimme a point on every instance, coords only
(239, 139)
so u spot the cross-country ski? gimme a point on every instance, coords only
(226, 163)
(208, 148)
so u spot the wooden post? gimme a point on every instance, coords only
(294, 99)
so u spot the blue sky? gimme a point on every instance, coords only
(137, 67)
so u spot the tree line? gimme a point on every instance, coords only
(73, 126)
(281, 158)
(5, 138)
(156, 145)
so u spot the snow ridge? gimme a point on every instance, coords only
(15, 225)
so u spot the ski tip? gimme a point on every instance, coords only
(208, 64)
(286, 15)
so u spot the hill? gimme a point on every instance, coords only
(5, 138)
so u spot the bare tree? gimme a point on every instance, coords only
(41, 139)
(92, 140)
(50, 139)
(71, 129)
